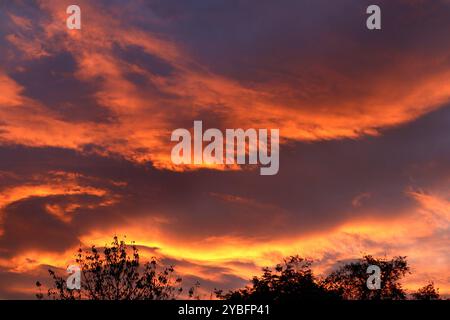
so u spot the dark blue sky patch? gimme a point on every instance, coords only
(51, 81)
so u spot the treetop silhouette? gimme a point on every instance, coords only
(116, 273)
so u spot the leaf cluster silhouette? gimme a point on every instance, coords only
(427, 292)
(294, 280)
(116, 273)
(349, 281)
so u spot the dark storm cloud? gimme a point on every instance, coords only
(51, 81)
(260, 41)
(323, 179)
(27, 226)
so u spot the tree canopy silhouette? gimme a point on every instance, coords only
(427, 292)
(350, 280)
(116, 273)
(291, 280)
(294, 280)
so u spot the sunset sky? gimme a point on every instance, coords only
(86, 118)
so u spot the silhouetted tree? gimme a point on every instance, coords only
(427, 292)
(291, 280)
(115, 275)
(350, 280)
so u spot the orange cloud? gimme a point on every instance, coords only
(55, 183)
(11, 92)
(409, 234)
(329, 108)
(243, 256)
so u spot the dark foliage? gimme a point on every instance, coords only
(116, 274)
(350, 280)
(292, 280)
(427, 292)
